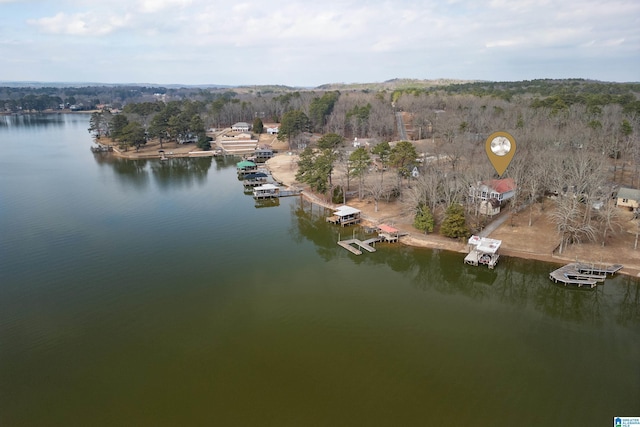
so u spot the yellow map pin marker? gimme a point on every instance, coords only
(500, 147)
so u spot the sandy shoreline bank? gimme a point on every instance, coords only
(153, 150)
(513, 239)
(517, 241)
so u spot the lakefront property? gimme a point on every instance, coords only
(184, 242)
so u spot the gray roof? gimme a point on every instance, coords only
(629, 193)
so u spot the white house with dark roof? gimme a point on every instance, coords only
(241, 127)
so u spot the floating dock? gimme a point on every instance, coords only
(362, 244)
(577, 274)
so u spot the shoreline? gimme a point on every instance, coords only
(28, 113)
(171, 150)
(412, 238)
(433, 241)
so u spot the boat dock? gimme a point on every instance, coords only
(290, 192)
(101, 148)
(483, 251)
(362, 244)
(577, 274)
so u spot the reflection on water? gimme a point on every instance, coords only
(267, 203)
(181, 172)
(173, 173)
(34, 121)
(309, 222)
(516, 282)
(143, 293)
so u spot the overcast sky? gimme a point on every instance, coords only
(308, 43)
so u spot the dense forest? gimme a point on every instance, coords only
(576, 139)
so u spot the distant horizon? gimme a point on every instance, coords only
(43, 83)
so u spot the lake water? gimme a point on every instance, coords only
(148, 293)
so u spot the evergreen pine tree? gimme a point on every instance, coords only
(454, 224)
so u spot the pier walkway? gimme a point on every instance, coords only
(577, 274)
(366, 245)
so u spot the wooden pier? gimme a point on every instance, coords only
(605, 271)
(366, 245)
(577, 274)
(101, 148)
(290, 192)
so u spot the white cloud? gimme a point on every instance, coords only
(339, 40)
(154, 6)
(87, 23)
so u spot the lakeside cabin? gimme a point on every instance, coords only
(246, 167)
(345, 215)
(484, 251)
(266, 191)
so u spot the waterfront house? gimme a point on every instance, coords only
(628, 198)
(491, 194)
(499, 189)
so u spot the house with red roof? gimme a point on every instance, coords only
(492, 194)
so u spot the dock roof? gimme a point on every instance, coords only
(345, 210)
(255, 175)
(485, 245)
(245, 164)
(267, 187)
(387, 228)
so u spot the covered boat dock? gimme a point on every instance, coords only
(266, 191)
(484, 251)
(345, 215)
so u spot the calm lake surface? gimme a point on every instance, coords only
(148, 293)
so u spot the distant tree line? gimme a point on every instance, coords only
(178, 121)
